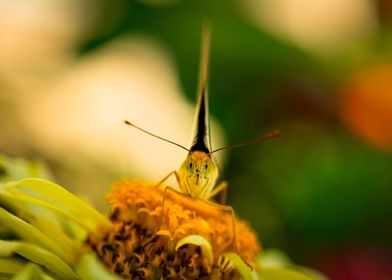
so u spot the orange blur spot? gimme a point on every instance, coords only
(367, 105)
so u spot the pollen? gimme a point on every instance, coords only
(152, 235)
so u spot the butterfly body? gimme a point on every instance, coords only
(198, 174)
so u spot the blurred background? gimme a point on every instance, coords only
(319, 71)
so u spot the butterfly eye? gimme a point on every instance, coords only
(206, 166)
(190, 165)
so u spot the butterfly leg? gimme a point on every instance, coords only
(221, 188)
(168, 176)
(228, 209)
(164, 194)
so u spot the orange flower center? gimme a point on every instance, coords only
(147, 226)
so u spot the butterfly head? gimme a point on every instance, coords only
(198, 173)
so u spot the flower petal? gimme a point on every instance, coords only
(30, 233)
(241, 266)
(200, 241)
(10, 265)
(39, 256)
(89, 268)
(55, 197)
(31, 272)
(284, 274)
(274, 258)
(275, 265)
(164, 232)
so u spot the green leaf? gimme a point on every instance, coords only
(200, 241)
(50, 261)
(29, 233)
(89, 268)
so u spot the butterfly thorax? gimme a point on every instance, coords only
(198, 174)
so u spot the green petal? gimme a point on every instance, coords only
(13, 200)
(275, 265)
(32, 272)
(46, 221)
(274, 258)
(284, 274)
(55, 197)
(50, 261)
(241, 266)
(5, 233)
(89, 268)
(29, 233)
(200, 241)
(59, 233)
(10, 265)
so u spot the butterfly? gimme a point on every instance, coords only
(198, 174)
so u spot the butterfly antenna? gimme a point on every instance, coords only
(156, 136)
(271, 134)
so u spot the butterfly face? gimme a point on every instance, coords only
(198, 174)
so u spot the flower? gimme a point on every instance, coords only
(47, 233)
(43, 227)
(184, 239)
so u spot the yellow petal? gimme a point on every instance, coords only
(241, 266)
(89, 268)
(274, 258)
(10, 265)
(55, 197)
(31, 272)
(200, 241)
(30, 233)
(164, 232)
(40, 256)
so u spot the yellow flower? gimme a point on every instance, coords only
(183, 239)
(48, 233)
